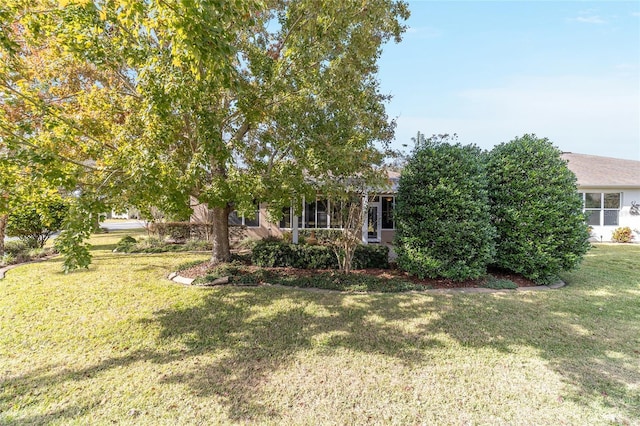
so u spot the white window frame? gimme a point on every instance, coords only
(243, 219)
(602, 209)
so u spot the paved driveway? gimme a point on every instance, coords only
(123, 224)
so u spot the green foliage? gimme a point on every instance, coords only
(190, 264)
(277, 253)
(536, 209)
(443, 226)
(226, 101)
(125, 244)
(370, 256)
(312, 257)
(270, 253)
(622, 235)
(15, 247)
(78, 225)
(35, 223)
(182, 231)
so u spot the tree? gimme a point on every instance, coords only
(443, 227)
(536, 209)
(227, 102)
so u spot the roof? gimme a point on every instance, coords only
(603, 172)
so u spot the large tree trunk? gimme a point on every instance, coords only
(3, 227)
(221, 251)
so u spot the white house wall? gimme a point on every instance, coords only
(625, 218)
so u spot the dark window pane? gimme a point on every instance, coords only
(310, 215)
(322, 214)
(336, 214)
(254, 221)
(373, 222)
(612, 201)
(234, 219)
(592, 200)
(593, 217)
(285, 222)
(611, 217)
(387, 212)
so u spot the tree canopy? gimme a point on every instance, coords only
(162, 102)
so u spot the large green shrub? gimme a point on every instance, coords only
(35, 223)
(443, 226)
(536, 209)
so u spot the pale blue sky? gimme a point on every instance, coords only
(493, 70)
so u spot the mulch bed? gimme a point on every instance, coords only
(203, 268)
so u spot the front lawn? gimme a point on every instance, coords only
(120, 344)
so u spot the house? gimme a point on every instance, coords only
(610, 190)
(319, 214)
(609, 187)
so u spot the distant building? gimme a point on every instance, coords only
(610, 190)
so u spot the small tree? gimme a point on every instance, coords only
(35, 223)
(443, 227)
(349, 239)
(536, 209)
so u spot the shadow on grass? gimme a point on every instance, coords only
(252, 347)
(581, 352)
(252, 333)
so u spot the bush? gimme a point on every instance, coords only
(313, 257)
(277, 253)
(371, 256)
(443, 226)
(34, 224)
(126, 244)
(15, 247)
(19, 252)
(271, 253)
(536, 210)
(622, 235)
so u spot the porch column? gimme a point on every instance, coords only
(365, 219)
(294, 228)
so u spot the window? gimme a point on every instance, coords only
(322, 208)
(316, 214)
(602, 208)
(310, 215)
(285, 222)
(252, 222)
(287, 219)
(388, 203)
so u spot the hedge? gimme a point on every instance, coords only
(277, 253)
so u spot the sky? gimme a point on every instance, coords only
(491, 71)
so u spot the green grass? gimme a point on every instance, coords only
(120, 344)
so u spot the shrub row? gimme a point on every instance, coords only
(277, 253)
(183, 231)
(460, 210)
(128, 244)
